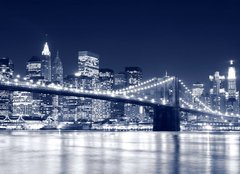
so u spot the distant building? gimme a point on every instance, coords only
(102, 109)
(57, 78)
(106, 79)
(70, 103)
(77, 108)
(134, 75)
(34, 69)
(6, 68)
(120, 80)
(57, 70)
(217, 92)
(46, 63)
(6, 73)
(22, 103)
(232, 95)
(198, 89)
(117, 108)
(88, 66)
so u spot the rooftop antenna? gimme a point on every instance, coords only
(166, 75)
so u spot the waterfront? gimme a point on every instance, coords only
(119, 152)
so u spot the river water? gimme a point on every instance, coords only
(50, 152)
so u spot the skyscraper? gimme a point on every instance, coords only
(197, 91)
(77, 108)
(46, 63)
(231, 78)
(57, 70)
(34, 69)
(6, 73)
(217, 91)
(88, 67)
(134, 77)
(6, 68)
(232, 95)
(120, 80)
(88, 64)
(102, 109)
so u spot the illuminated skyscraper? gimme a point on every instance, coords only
(231, 78)
(120, 80)
(88, 67)
(6, 68)
(232, 95)
(46, 63)
(34, 69)
(197, 89)
(6, 73)
(134, 77)
(217, 91)
(46, 107)
(102, 109)
(57, 70)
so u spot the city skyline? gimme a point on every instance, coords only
(46, 51)
(156, 36)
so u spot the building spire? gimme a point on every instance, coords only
(45, 51)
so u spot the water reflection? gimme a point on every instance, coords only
(119, 152)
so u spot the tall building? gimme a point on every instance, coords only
(77, 108)
(232, 95)
(57, 70)
(88, 69)
(197, 91)
(34, 69)
(88, 65)
(46, 63)
(231, 79)
(6, 73)
(120, 80)
(102, 109)
(134, 77)
(6, 68)
(106, 79)
(57, 78)
(217, 91)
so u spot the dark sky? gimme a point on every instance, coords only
(190, 39)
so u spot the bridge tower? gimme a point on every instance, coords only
(167, 118)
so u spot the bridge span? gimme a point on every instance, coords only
(166, 115)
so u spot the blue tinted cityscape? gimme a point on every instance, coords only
(95, 98)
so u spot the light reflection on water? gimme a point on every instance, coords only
(119, 152)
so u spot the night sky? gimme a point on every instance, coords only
(190, 39)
